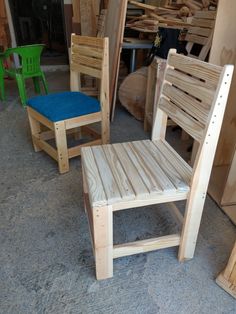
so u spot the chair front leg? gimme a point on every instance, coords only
(62, 149)
(103, 241)
(2, 88)
(35, 128)
(191, 224)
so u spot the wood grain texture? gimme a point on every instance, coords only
(142, 173)
(227, 278)
(114, 30)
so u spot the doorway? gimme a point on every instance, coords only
(41, 22)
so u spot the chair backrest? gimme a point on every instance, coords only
(89, 56)
(201, 34)
(194, 95)
(29, 58)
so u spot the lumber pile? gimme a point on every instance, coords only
(174, 14)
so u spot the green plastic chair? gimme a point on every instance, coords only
(29, 68)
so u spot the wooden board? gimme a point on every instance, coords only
(114, 29)
(88, 17)
(224, 51)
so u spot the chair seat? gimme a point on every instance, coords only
(64, 105)
(134, 171)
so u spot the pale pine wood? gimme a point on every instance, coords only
(223, 52)
(103, 241)
(141, 173)
(61, 143)
(89, 55)
(201, 33)
(227, 278)
(35, 131)
(202, 167)
(114, 30)
(144, 246)
(43, 145)
(88, 18)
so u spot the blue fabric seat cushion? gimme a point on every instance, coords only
(64, 105)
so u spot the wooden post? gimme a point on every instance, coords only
(227, 278)
(103, 241)
(35, 130)
(62, 150)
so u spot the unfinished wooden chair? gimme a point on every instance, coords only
(71, 112)
(201, 34)
(227, 278)
(199, 39)
(140, 173)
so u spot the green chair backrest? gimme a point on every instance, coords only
(29, 58)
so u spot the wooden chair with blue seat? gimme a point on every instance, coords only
(140, 173)
(63, 113)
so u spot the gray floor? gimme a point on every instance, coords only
(47, 264)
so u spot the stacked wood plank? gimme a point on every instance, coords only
(174, 15)
(85, 16)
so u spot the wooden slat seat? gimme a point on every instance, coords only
(140, 173)
(134, 171)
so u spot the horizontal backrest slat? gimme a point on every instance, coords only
(85, 70)
(196, 39)
(184, 120)
(190, 85)
(201, 70)
(201, 31)
(205, 14)
(203, 23)
(87, 55)
(188, 103)
(92, 62)
(87, 51)
(187, 94)
(87, 41)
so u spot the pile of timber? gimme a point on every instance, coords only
(172, 15)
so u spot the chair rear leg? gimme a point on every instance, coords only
(62, 149)
(36, 85)
(45, 85)
(2, 89)
(103, 241)
(35, 128)
(21, 87)
(191, 224)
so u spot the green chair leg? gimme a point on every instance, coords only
(36, 85)
(21, 86)
(2, 89)
(45, 85)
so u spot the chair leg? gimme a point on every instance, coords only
(191, 224)
(105, 128)
(45, 85)
(35, 128)
(36, 85)
(61, 143)
(2, 89)
(103, 241)
(21, 87)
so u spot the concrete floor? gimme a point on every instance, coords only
(46, 257)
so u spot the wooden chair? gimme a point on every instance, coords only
(69, 112)
(201, 33)
(140, 173)
(227, 278)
